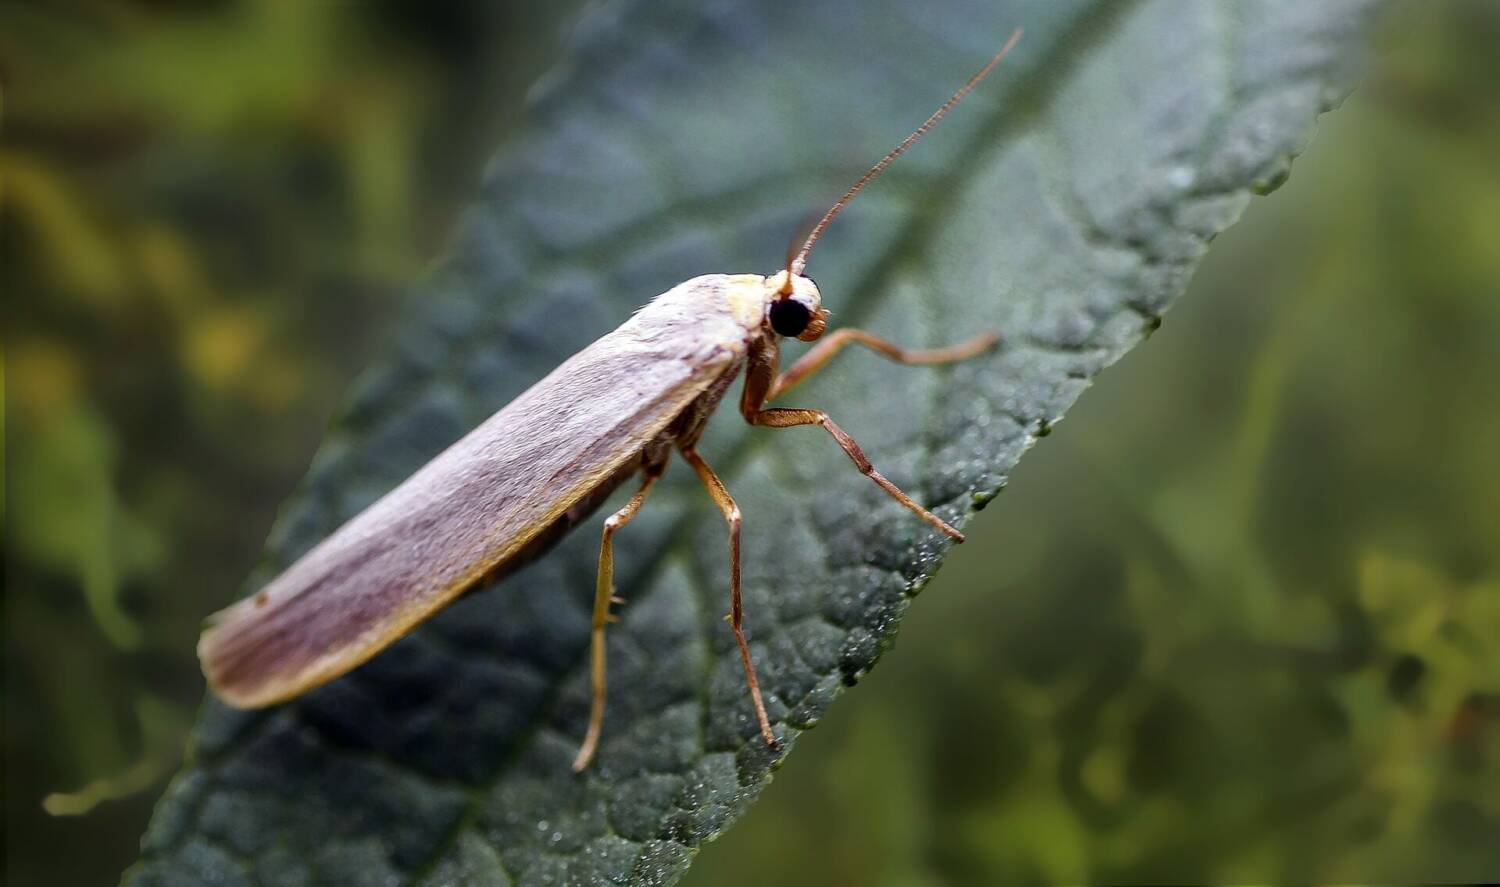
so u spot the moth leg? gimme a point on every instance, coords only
(731, 511)
(835, 342)
(603, 596)
(782, 418)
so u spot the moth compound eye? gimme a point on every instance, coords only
(789, 317)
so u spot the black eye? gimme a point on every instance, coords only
(789, 317)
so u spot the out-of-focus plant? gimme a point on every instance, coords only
(207, 214)
(1245, 626)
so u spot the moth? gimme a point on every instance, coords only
(504, 493)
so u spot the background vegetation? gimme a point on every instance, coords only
(1239, 618)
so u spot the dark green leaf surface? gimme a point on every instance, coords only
(1064, 205)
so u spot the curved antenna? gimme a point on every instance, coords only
(794, 243)
(799, 261)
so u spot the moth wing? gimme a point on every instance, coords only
(462, 515)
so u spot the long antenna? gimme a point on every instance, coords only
(799, 261)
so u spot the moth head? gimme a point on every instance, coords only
(794, 307)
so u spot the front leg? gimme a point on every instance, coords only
(836, 341)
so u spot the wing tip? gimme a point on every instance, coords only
(226, 656)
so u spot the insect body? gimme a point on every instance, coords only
(499, 496)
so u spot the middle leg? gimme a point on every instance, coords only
(784, 418)
(731, 511)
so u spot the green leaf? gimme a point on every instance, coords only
(1065, 204)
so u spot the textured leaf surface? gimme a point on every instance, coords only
(1065, 205)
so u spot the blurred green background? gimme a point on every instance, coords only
(1238, 618)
